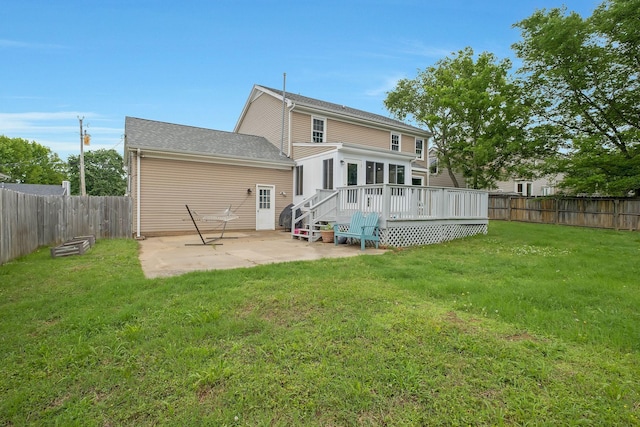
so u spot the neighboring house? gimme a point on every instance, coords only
(334, 145)
(545, 186)
(438, 176)
(170, 166)
(38, 189)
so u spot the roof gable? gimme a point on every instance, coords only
(173, 138)
(344, 111)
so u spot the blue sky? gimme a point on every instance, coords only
(194, 62)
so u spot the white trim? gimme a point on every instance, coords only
(138, 195)
(272, 205)
(204, 158)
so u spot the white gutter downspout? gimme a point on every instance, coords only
(284, 102)
(289, 144)
(138, 195)
(428, 164)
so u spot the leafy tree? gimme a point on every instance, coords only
(103, 172)
(476, 114)
(29, 162)
(584, 75)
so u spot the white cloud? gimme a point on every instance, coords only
(418, 48)
(389, 83)
(26, 45)
(60, 131)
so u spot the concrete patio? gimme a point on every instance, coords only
(175, 255)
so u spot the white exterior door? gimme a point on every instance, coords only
(265, 207)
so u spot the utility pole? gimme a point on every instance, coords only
(83, 189)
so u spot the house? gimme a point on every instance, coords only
(172, 166)
(334, 145)
(349, 160)
(542, 186)
(38, 189)
(327, 160)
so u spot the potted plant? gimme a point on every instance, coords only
(326, 231)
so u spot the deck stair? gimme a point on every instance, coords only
(316, 212)
(310, 232)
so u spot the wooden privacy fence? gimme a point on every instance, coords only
(597, 212)
(28, 221)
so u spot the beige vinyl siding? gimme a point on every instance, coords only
(300, 127)
(264, 118)
(208, 188)
(338, 131)
(302, 152)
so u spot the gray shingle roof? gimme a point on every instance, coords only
(168, 137)
(37, 189)
(346, 111)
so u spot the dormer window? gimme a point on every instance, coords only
(395, 142)
(318, 129)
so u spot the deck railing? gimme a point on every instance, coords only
(405, 202)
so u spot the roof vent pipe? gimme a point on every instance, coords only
(284, 88)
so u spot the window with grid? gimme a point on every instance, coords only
(265, 198)
(299, 176)
(317, 132)
(419, 148)
(327, 174)
(395, 142)
(375, 173)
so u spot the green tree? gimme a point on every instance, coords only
(584, 75)
(103, 171)
(476, 113)
(29, 162)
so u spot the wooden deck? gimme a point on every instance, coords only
(409, 215)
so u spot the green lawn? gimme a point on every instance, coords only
(528, 325)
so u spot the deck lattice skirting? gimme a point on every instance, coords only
(429, 233)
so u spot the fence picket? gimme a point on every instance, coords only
(28, 221)
(611, 213)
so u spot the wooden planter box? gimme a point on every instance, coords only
(76, 246)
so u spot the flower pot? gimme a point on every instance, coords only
(327, 236)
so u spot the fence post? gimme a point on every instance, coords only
(616, 215)
(556, 201)
(509, 209)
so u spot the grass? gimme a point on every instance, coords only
(528, 325)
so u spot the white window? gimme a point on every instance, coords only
(375, 173)
(524, 188)
(318, 129)
(420, 148)
(417, 180)
(396, 174)
(327, 174)
(395, 142)
(433, 165)
(299, 183)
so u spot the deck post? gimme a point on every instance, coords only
(442, 203)
(386, 201)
